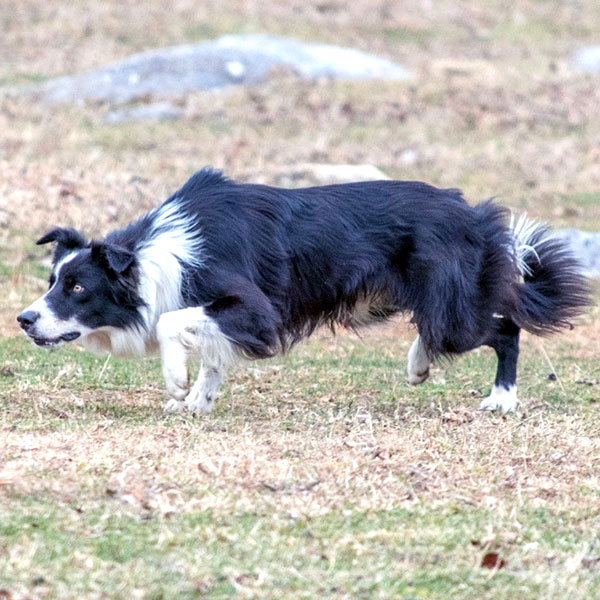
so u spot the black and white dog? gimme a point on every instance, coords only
(228, 270)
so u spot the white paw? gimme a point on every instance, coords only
(418, 363)
(174, 358)
(174, 366)
(174, 406)
(177, 385)
(417, 378)
(199, 402)
(201, 398)
(501, 399)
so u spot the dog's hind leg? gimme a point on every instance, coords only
(505, 342)
(418, 362)
(181, 334)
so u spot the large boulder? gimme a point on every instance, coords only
(228, 60)
(585, 245)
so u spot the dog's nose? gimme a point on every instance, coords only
(28, 318)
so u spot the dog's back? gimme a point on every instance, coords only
(319, 253)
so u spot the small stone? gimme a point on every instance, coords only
(588, 59)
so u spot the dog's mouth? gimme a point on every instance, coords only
(50, 342)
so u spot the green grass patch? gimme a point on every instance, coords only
(421, 553)
(71, 368)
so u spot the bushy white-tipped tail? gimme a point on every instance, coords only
(525, 231)
(553, 290)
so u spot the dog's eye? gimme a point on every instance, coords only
(78, 288)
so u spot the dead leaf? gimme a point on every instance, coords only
(492, 560)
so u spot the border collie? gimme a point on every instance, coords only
(227, 270)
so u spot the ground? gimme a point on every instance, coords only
(321, 474)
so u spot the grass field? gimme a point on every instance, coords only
(322, 474)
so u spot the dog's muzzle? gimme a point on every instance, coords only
(27, 321)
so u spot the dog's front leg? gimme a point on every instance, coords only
(174, 354)
(183, 333)
(202, 395)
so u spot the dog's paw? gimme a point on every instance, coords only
(174, 406)
(501, 399)
(177, 387)
(199, 402)
(174, 366)
(417, 378)
(176, 379)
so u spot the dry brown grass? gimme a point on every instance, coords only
(363, 463)
(496, 108)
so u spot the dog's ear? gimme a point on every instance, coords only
(113, 257)
(69, 238)
(66, 239)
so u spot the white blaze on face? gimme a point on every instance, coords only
(60, 264)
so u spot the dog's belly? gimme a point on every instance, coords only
(370, 310)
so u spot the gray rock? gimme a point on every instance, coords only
(228, 60)
(155, 111)
(326, 173)
(588, 59)
(586, 247)
(306, 174)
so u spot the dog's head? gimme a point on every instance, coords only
(92, 285)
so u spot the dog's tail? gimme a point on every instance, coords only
(553, 289)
